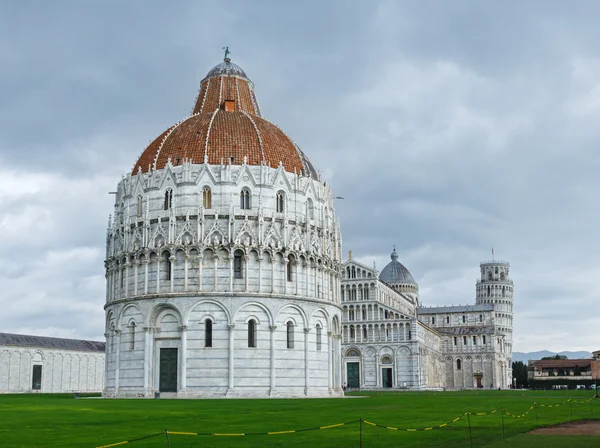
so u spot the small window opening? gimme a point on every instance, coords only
(168, 199)
(208, 333)
(206, 198)
(238, 264)
(319, 337)
(458, 364)
(251, 333)
(290, 335)
(245, 199)
(280, 202)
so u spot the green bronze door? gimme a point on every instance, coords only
(168, 370)
(353, 373)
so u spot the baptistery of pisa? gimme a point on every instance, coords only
(223, 260)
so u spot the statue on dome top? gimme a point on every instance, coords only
(227, 53)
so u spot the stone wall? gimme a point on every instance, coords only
(62, 370)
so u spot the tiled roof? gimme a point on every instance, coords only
(22, 340)
(226, 126)
(230, 135)
(560, 363)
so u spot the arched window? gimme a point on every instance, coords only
(280, 201)
(245, 199)
(206, 198)
(464, 318)
(139, 206)
(352, 333)
(483, 339)
(311, 208)
(351, 314)
(503, 291)
(481, 318)
(447, 319)
(208, 333)
(464, 340)
(132, 336)
(353, 272)
(290, 268)
(488, 291)
(251, 333)
(458, 364)
(319, 331)
(167, 263)
(238, 264)
(290, 334)
(432, 320)
(168, 199)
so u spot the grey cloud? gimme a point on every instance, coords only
(448, 127)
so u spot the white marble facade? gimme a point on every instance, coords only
(171, 271)
(390, 341)
(27, 366)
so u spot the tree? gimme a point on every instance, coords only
(520, 373)
(554, 357)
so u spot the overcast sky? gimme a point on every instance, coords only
(449, 128)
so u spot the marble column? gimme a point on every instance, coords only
(231, 357)
(306, 362)
(135, 277)
(117, 359)
(330, 361)
(185, 272)
(147, 359)
(200, 262)
(172, 259)
(183, 359)
(272, 328)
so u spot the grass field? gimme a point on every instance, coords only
(61, 420)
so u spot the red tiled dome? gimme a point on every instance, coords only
(226, 127)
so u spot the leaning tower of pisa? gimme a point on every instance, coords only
(494, 287)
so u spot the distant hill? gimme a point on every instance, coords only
(520, 356)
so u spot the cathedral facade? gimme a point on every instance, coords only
(389, 340)
(223, 260)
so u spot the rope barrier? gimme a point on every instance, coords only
(337, 425)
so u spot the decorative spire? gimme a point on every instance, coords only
(227, 53)
(394, 255)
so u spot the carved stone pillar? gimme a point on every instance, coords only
(231, 272)
(172, 259)
(136, 266)
(246, 260)
(146, 263)
(185, 272)
(260, 259)
(200, 262)
(127, 278)
(285, 279)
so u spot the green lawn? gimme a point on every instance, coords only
(60, 420)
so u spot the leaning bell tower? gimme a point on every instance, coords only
(495, 287)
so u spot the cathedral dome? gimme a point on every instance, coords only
(395, 272)
(226, 128)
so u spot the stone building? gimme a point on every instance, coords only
(35, 364)
(390, 341)
(223, 259)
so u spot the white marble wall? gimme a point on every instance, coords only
(229, 367)
(62, 370)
